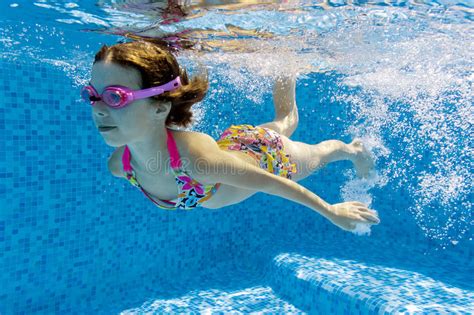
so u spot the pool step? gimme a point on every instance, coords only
(327, 284)
(234, 287)
(258, 299)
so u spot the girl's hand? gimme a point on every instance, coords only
(346, 214)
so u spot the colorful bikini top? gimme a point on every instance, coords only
(191, 193)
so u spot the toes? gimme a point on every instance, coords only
(357, 142)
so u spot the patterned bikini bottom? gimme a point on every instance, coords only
(263, 144)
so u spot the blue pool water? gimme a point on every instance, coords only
(76, 240)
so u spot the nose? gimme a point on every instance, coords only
(100, 109)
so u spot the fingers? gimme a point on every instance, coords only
(371, 218)
(369, 214)
(357, 203)
(367, 210)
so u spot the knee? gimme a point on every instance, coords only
(290, 123)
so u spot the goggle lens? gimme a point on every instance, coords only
(112, 98)
(87, 95)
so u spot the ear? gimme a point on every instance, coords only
(161, 110)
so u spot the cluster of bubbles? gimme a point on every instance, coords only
(416, 97)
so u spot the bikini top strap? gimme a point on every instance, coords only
(126, 160)
(175, 160)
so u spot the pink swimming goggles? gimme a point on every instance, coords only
(117, 96)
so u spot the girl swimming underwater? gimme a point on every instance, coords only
(138, 92)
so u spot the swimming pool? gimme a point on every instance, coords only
(75, 240)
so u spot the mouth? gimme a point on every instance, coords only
(106, 128)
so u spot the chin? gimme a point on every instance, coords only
(110, 141)
(114, 145)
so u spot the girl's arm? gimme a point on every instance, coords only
(228, 169)
(210, 164)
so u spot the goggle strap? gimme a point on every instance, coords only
(174, 84)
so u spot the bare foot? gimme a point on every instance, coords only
(362, 159)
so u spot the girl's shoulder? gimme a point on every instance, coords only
(192, 144)
(195, 149)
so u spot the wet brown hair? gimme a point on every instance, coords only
(157, 66)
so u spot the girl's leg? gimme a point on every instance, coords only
(286, 112)
(311, 157)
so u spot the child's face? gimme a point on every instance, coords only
(131, 122)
